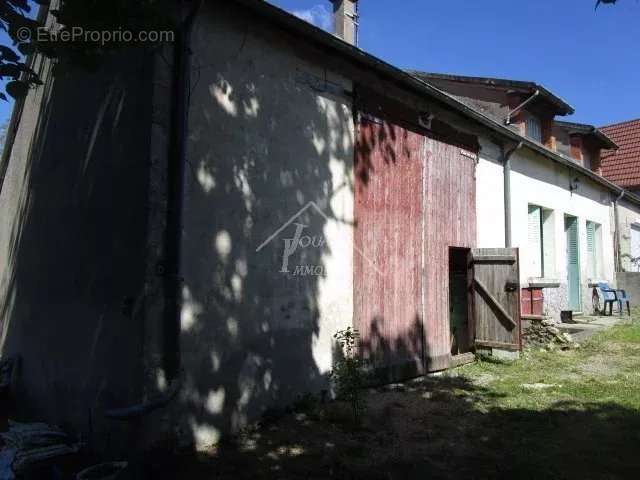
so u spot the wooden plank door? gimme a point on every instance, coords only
(388, 247)
(573, 262)
(496, 297)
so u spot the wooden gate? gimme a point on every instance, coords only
(496, 297)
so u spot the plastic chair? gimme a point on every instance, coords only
(611, 296)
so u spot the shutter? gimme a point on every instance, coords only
(572, 239)
(535, 241)
(573, 263)
(591, 250)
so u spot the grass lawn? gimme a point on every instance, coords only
(572, 414)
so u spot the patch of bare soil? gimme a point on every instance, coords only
(408, 431)
(601, 366)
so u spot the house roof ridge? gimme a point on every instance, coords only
(619, 124)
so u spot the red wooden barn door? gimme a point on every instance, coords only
(450, 212)
(388, 244)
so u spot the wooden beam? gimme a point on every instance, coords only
(502, 345)
(495, 302)
(462, 359)
(494, 259)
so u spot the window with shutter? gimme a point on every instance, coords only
(533, 129)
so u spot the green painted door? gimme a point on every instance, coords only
(573, 262)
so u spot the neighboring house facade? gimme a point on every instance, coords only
(322, 189)
(559, 213)
(622, 166)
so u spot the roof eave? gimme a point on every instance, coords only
(563, 108)
(581, 128)
(315, 34)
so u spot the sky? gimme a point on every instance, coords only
(589, 58)
(5, 106)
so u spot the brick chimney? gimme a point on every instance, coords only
(345, 18)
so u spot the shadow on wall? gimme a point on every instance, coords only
(268, 230)
(75, 218)
(267, 244)
(393, 359)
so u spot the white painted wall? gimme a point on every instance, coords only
(628, 216)
(490, 197)
(537, 180)
(270, 132)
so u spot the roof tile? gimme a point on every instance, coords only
(623, 166)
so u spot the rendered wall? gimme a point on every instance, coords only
(490, 196)
(270, 154)
(538, 181)
(630, 283)
(72, 245)
(628, 215)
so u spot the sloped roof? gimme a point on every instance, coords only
(521, 85)
(582, 128)
(335, 46)
(623, 166)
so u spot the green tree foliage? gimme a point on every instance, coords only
(28, 35)
(15, 19)
(606, 2)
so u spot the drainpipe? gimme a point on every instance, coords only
(506, 162)
(173, 233)
(175, 193)
(507, 120)
(616, 220)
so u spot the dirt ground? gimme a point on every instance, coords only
(559, 414)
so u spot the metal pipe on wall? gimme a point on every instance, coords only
(173, 232)
(506, 163)
(616, 221)
(507, 120)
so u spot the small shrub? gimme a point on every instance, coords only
(349, 373)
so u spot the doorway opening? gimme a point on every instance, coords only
(459, 301)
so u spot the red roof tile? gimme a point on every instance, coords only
(623, 166)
